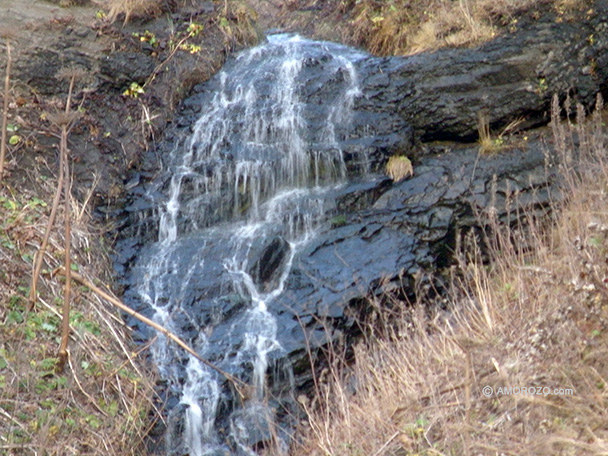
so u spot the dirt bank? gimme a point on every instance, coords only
(131, 77)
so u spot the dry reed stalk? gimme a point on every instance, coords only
(64, 161)
(7, 80)
(33, 296)
(62, 356)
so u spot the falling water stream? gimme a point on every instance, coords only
(253, 176)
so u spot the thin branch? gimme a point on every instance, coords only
(45, 240)
(7, 80)
(65, 322)
(239, 385)
(65, 162)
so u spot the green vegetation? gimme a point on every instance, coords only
(134, 90)
(338, 221)
(101, 403)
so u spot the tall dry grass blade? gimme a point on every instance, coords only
(33, 296)
(62, 355)
(7, 81)
(64, 161)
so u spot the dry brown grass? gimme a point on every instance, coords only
(403, 27)
(536, 317)
(102, 403)
(238, 23)
(406, 27)
(133, 9)
(399, 167)
(490, 143)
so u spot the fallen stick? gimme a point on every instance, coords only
(238, 384)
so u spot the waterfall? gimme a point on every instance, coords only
(248, 188)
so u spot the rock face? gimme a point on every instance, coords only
(259, 300)
(442, 93)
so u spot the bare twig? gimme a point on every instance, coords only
(65, 322)
(64, 161)
(387, 443)
(45, 240)
(7, 79)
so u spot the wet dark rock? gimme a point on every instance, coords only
(41, 70)
(123, 68)
(442, 93)
(252, 425)
(266, 264)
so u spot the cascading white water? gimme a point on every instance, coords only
(249, 170)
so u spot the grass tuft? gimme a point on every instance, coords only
(399, 167)
(133, 9)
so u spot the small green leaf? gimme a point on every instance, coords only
(3, 363)
(14, 140)
(48, 364)
(38, 202)
(93, 421)
(195, 28)
(49, 327)
(10, 204)
(8, 244)
(14, 317)
(112, 408)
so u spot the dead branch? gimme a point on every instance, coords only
(62, 356)
(7, 79)
(240, 386)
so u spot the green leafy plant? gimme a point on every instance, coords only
(541, 86)
(191, 48)
(134, 90)
(195, 29)
(146, 37)
(14, 138)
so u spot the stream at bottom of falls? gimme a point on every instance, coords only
(241, 193)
